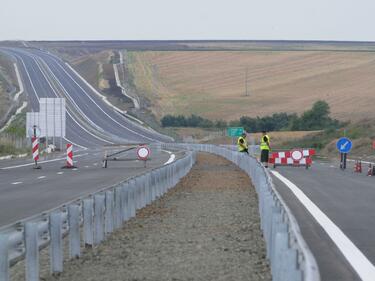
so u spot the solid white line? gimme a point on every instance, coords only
(41, 162)
(95, 91)
(41, 177)
(364, 268)
(172, 157)
(71, 99)
(17, 182)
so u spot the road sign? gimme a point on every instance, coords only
(235, 131)
(31, 132)
(344, 145)
(297, 155)
(143, 152)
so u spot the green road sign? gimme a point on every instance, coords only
(235, 131)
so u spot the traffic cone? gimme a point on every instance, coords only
(358, 166)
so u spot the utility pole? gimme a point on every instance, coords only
(246, 80)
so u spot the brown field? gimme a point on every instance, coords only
(212, 84)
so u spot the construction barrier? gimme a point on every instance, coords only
(35, 149)
(295, 158)
(69, 157)
(358, 166)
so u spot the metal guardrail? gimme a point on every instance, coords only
(96, 216)
(287, 251)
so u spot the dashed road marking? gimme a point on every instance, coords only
(41, 177)
(86, 166)
(59, 173)
(75, 169)
(17, 182)
(364, 268)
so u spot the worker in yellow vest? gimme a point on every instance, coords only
(242, 143)
(264, 148)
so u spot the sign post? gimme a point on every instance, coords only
(343, 145)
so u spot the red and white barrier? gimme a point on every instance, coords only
(35, 149)
(295, 157)
(69, 156)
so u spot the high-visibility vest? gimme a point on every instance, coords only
(263, 142)
(241, 146)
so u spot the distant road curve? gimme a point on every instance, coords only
(91, 122)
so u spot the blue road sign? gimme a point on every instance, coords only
(344, 145)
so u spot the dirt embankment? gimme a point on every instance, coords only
(207, 228)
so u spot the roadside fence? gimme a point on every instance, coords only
(93, 218)
(287, 251)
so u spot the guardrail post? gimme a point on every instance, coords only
(88, 234)
(108, 212)
(31, 252)
(125, 202)
(74, 235)
(117, 208)
(132, 199)
(56, 249)
(98, 218)
(4, 258)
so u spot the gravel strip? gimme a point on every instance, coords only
(206, 228)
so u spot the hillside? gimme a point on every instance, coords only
(212, 84)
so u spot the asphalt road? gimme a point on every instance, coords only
(26, 191)
(347, 199)
(91, 124)
(90, 121)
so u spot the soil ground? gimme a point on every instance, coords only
(206, 228)
(212, 84)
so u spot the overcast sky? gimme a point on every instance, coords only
(187, 19)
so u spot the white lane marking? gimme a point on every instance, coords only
(75, 169)
(41, 162)
(100, 108)
(41, 177)
(95, 164)
(364, 268)
(17, 182)
(86, 166)
(59, 173)
(171, 157)
(331, 166)
(71, 99)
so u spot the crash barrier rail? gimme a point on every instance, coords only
(287, 251)
(94, 217)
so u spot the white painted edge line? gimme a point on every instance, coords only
(365, 162)
(17, 182)
(172, 157)
(41, 162)
(13, 156)
(364, 268)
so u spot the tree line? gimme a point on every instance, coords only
(316, 118)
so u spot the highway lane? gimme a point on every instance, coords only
(347, 199)
(91, 124)
(93, 106)
(26, 191)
